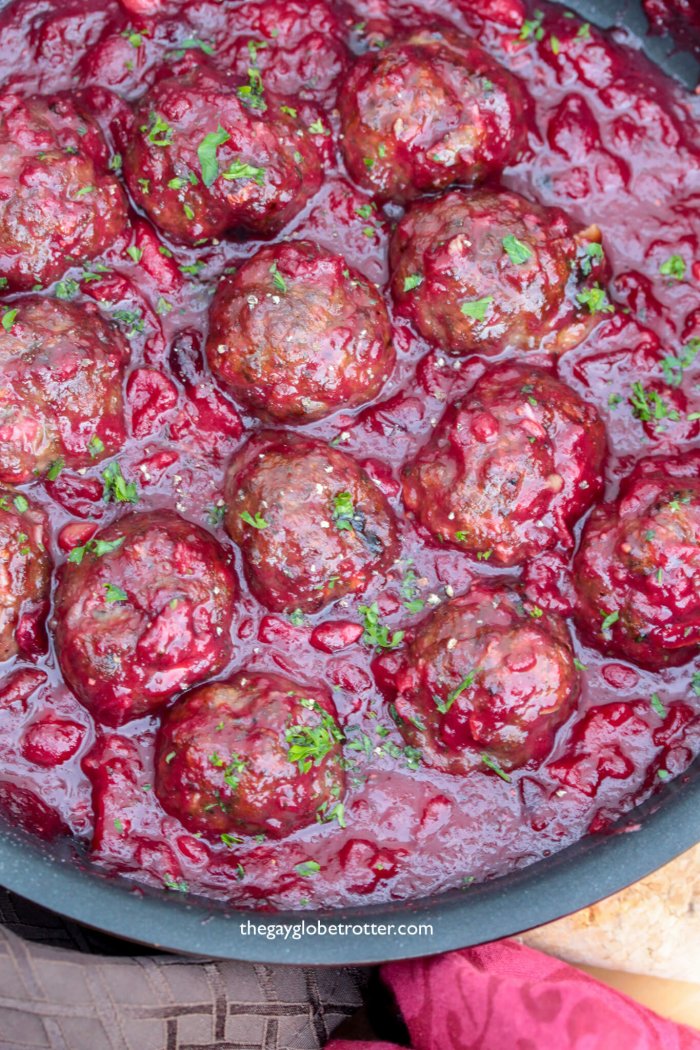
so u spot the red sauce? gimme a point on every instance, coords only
(612, 142)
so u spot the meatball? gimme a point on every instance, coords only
(427, 111)
(25, 570)
(256, 753)
(483, 683)
(58, 202)
(297, 334)
(61, 370)
(510, 468)
(206, 158)
(484, 271)
(311, 525)
(143, 611)
(637, 572)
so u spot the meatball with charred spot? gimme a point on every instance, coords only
(478, 273)
(207, 158)
(61, 366)
(429, 110)
(311, 524)
(510, 468)
(297, 334)
(59, 203)
(143, 610)
(637, 571)
(25, 569)
(483, 683)
(258, 753)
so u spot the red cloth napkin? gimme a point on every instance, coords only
(505, 996)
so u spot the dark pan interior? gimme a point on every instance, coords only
(580, 875)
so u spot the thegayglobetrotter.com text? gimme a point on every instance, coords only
(295, 931)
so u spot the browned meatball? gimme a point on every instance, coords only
(637, 571)
(480, 272)
(142, 611)
(207, 157)
(61, 366)
(483, 683)
(257, 753)
(427, 111)
(510, 468)
(296, 334)
(58, 202)
(25, 570)
(311, 525)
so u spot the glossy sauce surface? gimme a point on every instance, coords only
(611, 142)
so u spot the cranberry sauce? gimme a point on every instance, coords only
(610, 142)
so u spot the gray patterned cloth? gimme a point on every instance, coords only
(66, 988)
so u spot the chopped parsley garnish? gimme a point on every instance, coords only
(178, 885)
(135, 253)
(194, 44)
(114, 593)
(695, 683)
(536, 612)
(277, 278)
(317, 128)
(296, 618)
(532, 27)
(257, 522)
(609, 620)
(309, 745)
(594, 254)
(55, 469)
(345, 517)
(376, 635)
(116, 487)
(414, 280)
(230, 840)
(238, 169)
(115, 162)
(8, 319)
(477, 308)
(517, 251)
(329, 811)
(96, 446)
(663, 774)
(159, 132)
(307, 868)
(97, 547)
(466, 683)
(579, 665)
(493, 765)
(673, 367)
(289, 110)
(365, 211)
(206, 151)
(554, 44)
(131, 320)
(67, 289)
(673, 267)
(658, 706)
(252, 94)
(648, 405)
(409, 592)
(216, 514)
(595, 299)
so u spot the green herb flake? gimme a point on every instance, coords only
(493, 765)
(477, 308)
(158, 131)
(663, 774)
(194, 44)
(609, 620)
(96, 446)
(376, 635)
(674, 267)
(307, 869)
(318, 128)
(114, 593)
(257, 522)
(466, 683)
(239, 169)
(532, 28)
(277, 278)
(20, 503)
(116, 487)
(414, 280)
(517, 251)
(135, 253)
(8, 319)
(596, 299)
(252, 94)
(658, 706)
(206, 151)
(55, 469)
